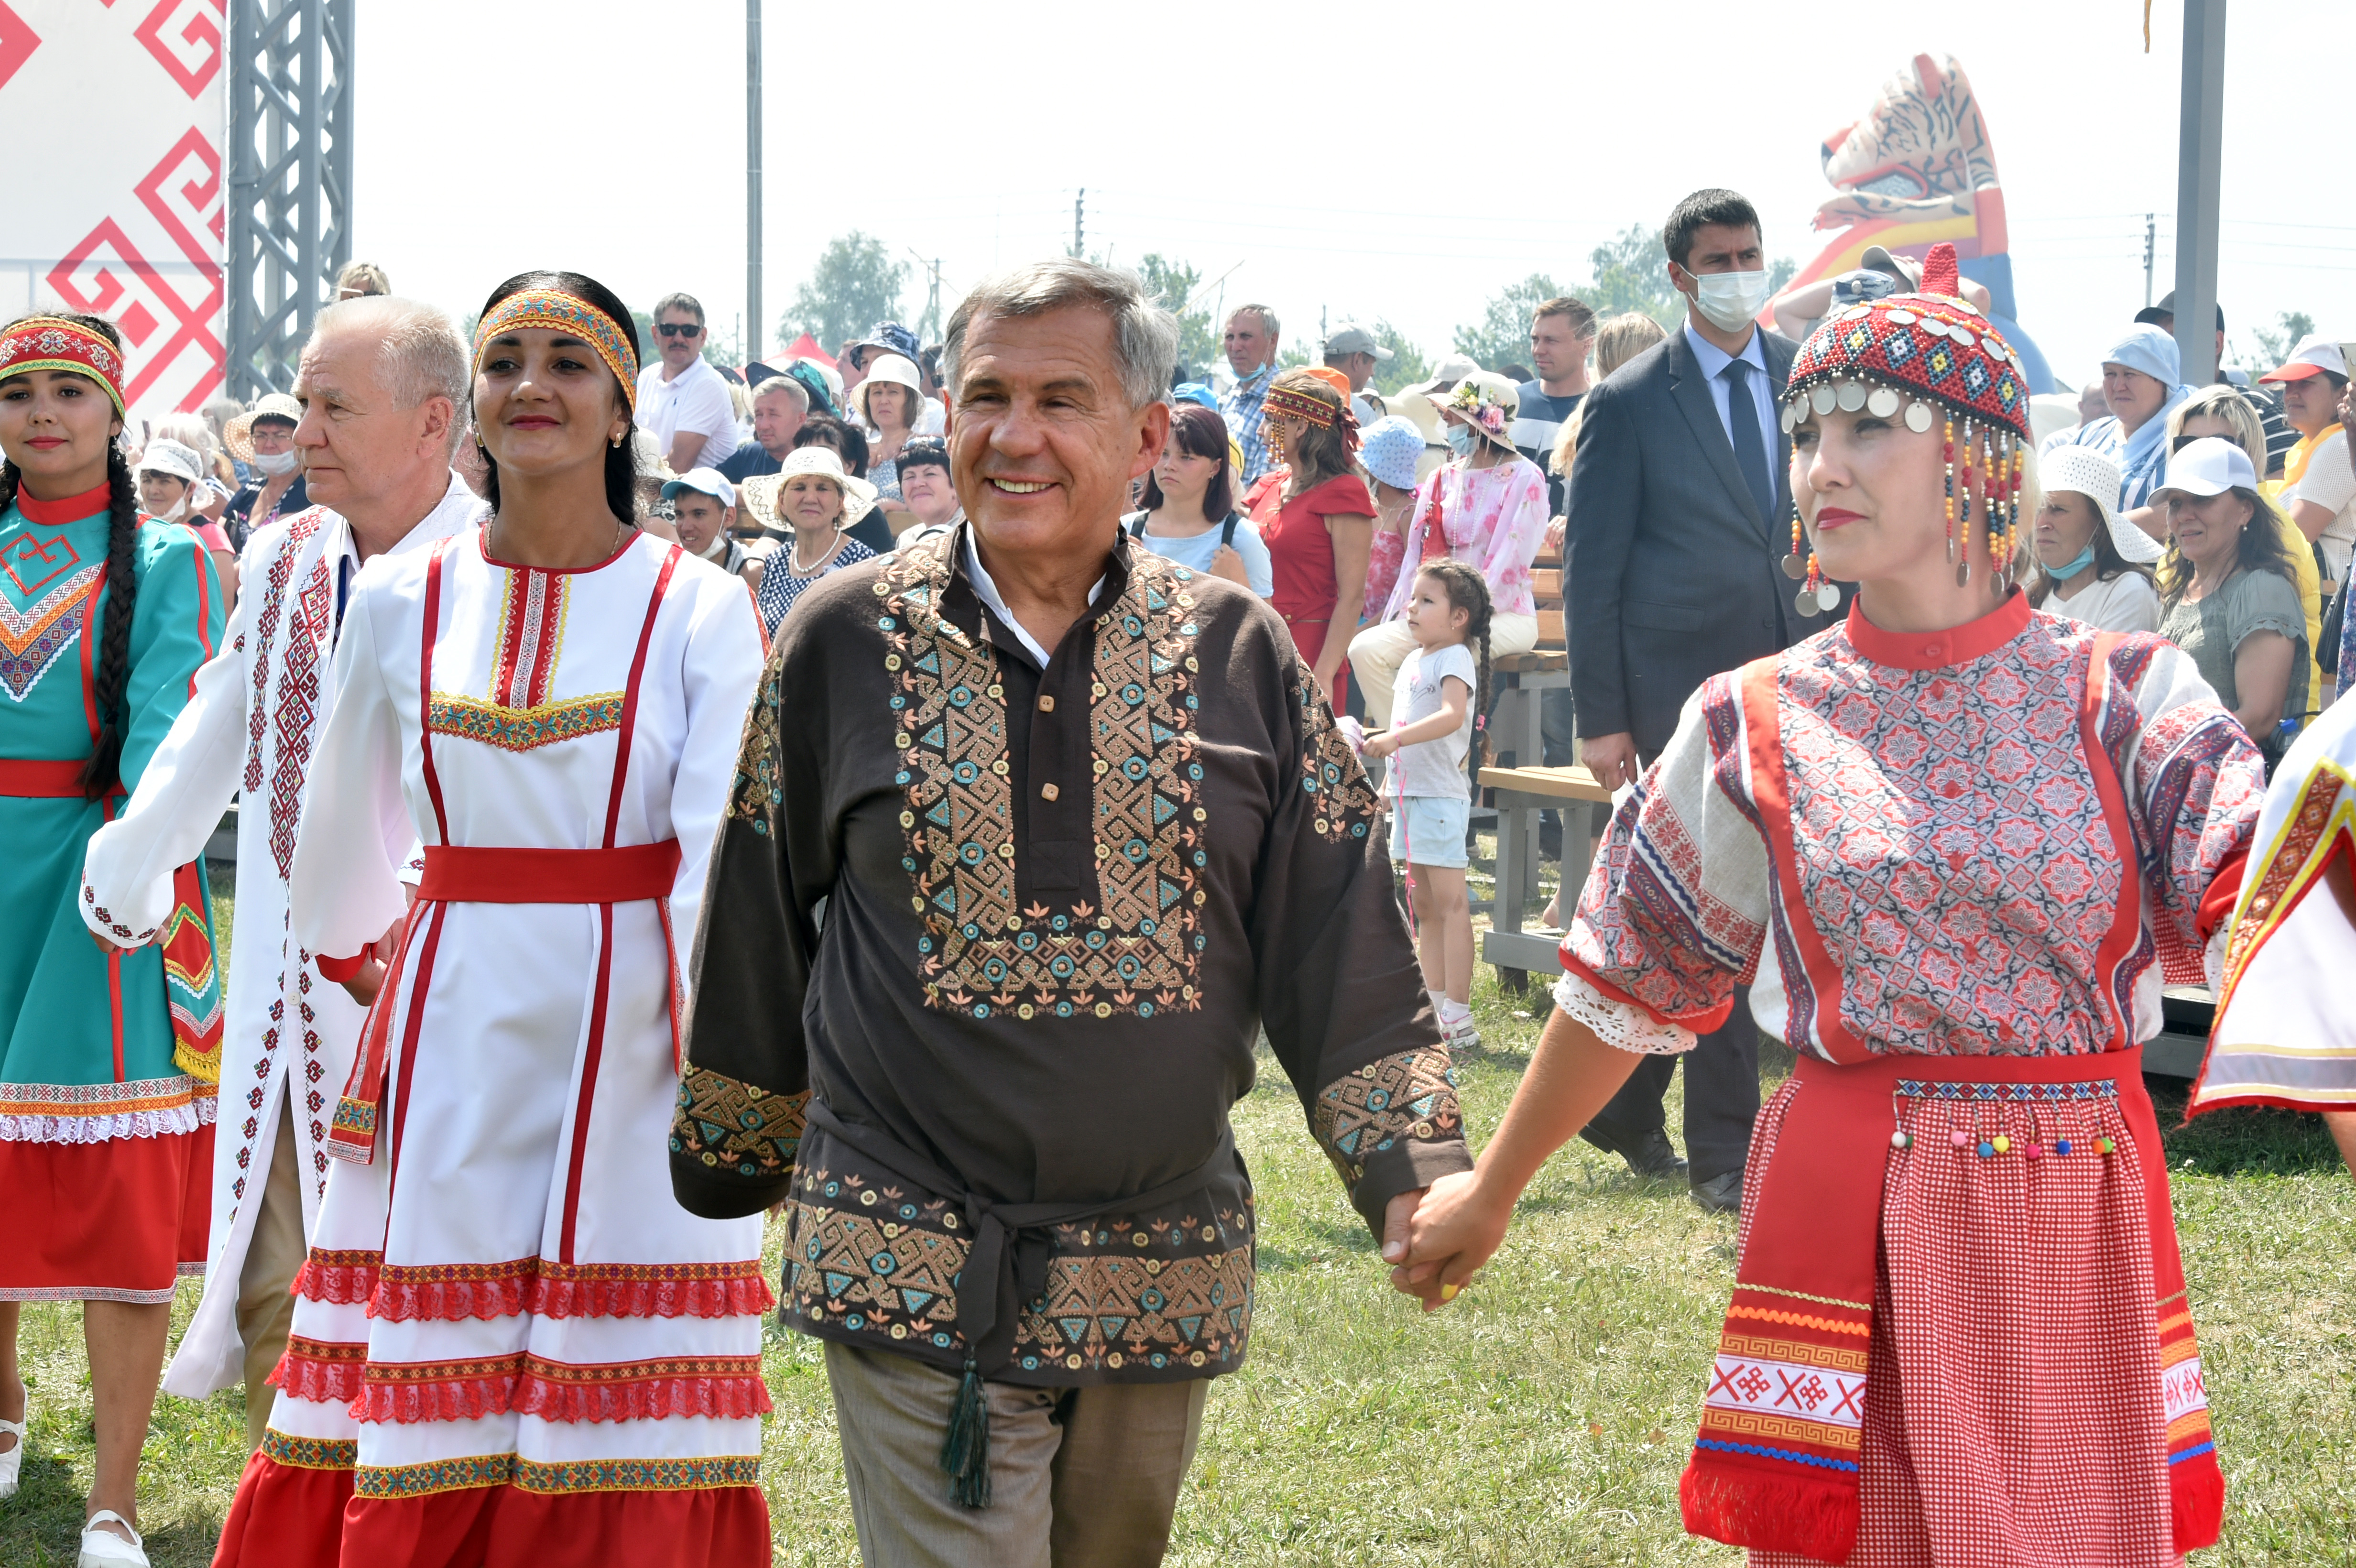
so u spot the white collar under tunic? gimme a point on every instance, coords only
(987, 591)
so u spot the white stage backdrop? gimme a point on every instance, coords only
(116, 111)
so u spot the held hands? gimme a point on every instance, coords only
(1441, 1236)
(1380, 745)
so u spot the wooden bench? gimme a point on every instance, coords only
(1520, 795)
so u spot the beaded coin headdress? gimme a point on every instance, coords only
(53, 343)
(1285, 403)
(561, 312)
(1935, 353)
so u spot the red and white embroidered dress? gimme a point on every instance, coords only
(1975, 846)
(511, 1343)
(251, 727)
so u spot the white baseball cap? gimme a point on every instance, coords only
(710, 481)
(2210, 467)
(2313, 354)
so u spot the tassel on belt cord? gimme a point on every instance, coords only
(1013, 1245)
(469, 874)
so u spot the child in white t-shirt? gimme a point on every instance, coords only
(1441, 686)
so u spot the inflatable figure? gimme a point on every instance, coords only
(1916, 170)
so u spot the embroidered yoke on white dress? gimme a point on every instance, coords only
(506, 1296)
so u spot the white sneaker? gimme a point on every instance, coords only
(1460, 1034)
(105, 1548)
(12, 1463)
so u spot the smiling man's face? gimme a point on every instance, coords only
(1043, 443)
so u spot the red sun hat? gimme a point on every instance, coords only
(1925, 348)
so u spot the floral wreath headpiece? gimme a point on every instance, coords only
(1477, 406)
(1934, 352)
(560, 312)
(53, 343)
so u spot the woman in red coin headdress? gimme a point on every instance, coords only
(108, 1059)
(1954, 845)
(511, 1344)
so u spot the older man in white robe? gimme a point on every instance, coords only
(380, 383)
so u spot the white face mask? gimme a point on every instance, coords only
(1728, 301)
(274, 463)
(1461, 440)
(179, 509)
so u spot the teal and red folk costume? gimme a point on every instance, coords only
(108, 1065)
(1953, 868)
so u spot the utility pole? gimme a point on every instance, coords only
(2200, 150)
(2150, 253)
(930, 325)
(1079, 205)
(753, 183)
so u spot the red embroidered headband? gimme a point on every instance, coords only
(560, 312)
(1283, 402)
(52, 343)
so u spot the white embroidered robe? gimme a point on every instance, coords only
(250, 730)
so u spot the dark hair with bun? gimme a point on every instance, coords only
(622, 460)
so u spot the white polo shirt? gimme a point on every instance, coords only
(696, 403)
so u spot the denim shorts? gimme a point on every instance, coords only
(1428, 830)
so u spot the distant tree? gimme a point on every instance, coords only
(1631, 273)
(1292, 356)
(1407, 366)
(1781, 271)
(855, 284)
(2275, 344)
(1504, 335)
(1173, 284)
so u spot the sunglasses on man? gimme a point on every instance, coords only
(679, 329)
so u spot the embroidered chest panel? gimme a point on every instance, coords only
(45, 602)
(268, 626)
(1952, 847)
(518, 715)
(1137, 947)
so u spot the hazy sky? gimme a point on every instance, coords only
(1375, 160)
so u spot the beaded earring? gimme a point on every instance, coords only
(1964, 511)
(2000, 525)
(1795, 565)
(1949, 435)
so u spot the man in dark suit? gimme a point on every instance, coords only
(1680, 518)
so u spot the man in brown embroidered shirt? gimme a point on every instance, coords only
(1031, 832)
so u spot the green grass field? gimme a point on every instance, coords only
(1542, 1419)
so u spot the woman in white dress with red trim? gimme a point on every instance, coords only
(510, 1341)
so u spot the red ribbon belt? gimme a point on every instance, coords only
(459, 874)
(1808, 1270)
(28, 778)
(467, 874)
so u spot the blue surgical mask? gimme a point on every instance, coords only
(1460, 440)
(2064, 573)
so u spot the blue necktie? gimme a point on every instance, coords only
(1750, 441)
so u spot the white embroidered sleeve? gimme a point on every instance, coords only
(1621, 1024)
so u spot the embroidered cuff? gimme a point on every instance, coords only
(726, 1127)
(1392, 1126)
(1621, 1024)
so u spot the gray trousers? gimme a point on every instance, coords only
(1080, 1477)
(265, 1285)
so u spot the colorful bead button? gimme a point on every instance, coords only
(1900, 1141)
(2035, 1151)
(2109, 1148)
(2003, 1144)
(1960, 1139)
(2061, 1146)
(1986, 1150)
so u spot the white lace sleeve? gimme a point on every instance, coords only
(1621, 1024)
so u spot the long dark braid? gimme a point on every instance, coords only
(122, 586)
(1468, 591)
(97, 776)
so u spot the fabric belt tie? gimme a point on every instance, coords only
(28, 778)
(1808, 1266)
(458, 873)
(1011, 1245)
(464, 874)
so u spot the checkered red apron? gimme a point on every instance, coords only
(2034, 1390)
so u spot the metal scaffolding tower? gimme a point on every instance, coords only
(289, 179)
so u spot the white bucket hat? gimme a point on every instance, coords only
(2083, 470)
(165, 455)
(893, 371)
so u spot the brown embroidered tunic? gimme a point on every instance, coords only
(1016, 929)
